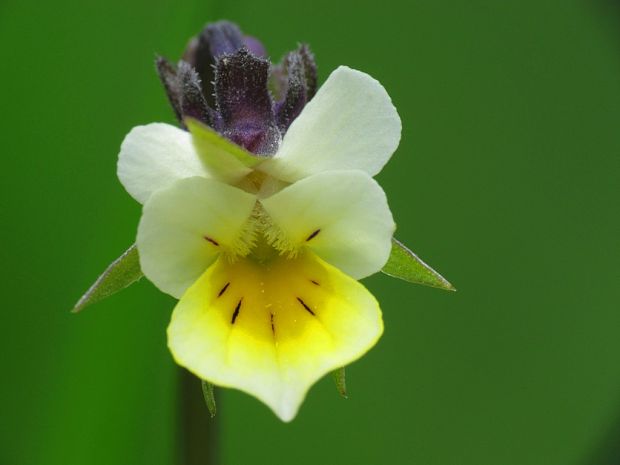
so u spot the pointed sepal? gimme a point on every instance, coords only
(310, 76)
(123, 272)
(404, 264)
(340, 380)
(295, 97)
(209, 395)
(184, 91)
(168, 76)
(295, 84)
(192, 101)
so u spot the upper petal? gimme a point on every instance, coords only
(273, 330)
(185, 226)
(224, 159)
(343, 216)
(351, 123)
(154, 156)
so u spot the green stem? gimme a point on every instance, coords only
(198, 435)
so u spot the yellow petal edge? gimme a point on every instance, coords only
(272, 329)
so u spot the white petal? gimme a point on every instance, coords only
(185, 226)
(351, 123)
(154, 156)
(273, 330)
(225, 160)
(343, 216)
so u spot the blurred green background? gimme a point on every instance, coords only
(506, 181)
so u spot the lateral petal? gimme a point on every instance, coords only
(186, 226)
(343, 216)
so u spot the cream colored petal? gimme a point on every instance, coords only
(343, 216)
(351, 123)
(154, 156)
(273, 329)
(225, 160)
(186, 226)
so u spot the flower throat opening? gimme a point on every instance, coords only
(263, 241)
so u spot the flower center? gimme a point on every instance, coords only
(263, 241)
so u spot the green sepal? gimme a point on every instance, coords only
(340, 380)
(121, 273)
(404, 264)
(208, 393)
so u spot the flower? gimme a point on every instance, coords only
(262, 217)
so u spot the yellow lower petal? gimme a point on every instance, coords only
(272, 329)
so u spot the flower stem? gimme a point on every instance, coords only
(198, 435)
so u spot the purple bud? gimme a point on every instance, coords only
(244, 103)
(223, 38)
(216, 39)
(255, 46)
(225, 81)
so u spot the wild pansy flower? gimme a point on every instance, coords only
(260, 214)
